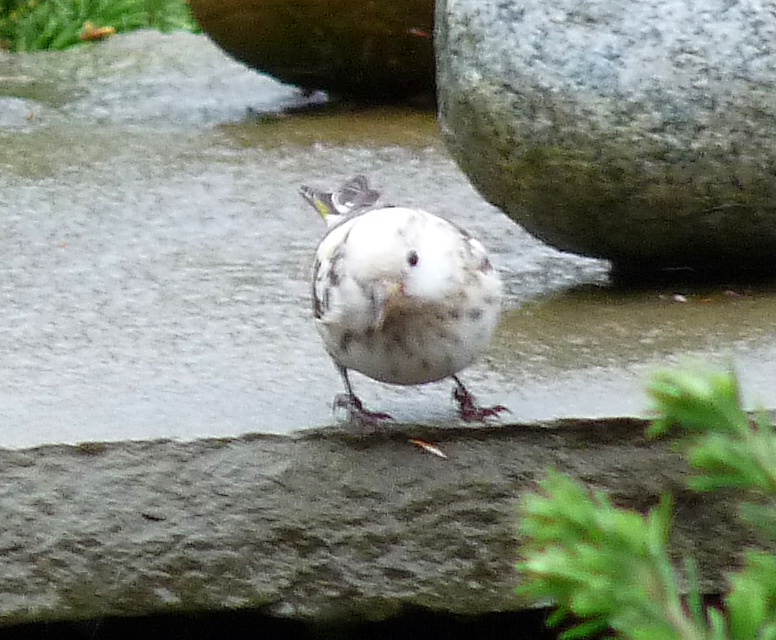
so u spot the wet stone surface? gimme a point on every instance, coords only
(320, 526)
(155, 284)
(157, 255)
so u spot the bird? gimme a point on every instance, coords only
(400, 295)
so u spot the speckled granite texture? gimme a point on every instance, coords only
(644, 132)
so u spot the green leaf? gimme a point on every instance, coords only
(752, 601)
(611, 566)
(696, 400)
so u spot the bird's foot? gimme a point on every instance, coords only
(357, 414)
(469, 409)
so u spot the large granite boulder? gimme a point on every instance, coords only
(369, 50)
(641, 132)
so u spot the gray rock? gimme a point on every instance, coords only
(322, 525)
(638, 132)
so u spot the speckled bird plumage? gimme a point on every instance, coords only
(400, 295)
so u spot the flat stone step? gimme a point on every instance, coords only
(322, 524)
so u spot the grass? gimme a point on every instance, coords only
(35, 25)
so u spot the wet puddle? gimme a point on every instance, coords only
(156, 259)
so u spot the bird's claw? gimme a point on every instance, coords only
(469, 409)
(480, 414)
(357, 413)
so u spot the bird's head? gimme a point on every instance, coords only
(407, 259)
(334, 206)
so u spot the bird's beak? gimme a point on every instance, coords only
(314, 198)
(386, 296)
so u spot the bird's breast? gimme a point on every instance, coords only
(414, 346)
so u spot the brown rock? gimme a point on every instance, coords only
(368, 50)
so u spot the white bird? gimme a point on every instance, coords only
(400, 295)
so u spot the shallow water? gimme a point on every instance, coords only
(156, 258)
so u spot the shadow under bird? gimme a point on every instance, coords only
(400, 295)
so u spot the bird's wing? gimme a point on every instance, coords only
(479, 255)
(354, 194)
(328, 269)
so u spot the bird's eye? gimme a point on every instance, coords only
(412, 258)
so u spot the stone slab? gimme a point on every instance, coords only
(322, 524)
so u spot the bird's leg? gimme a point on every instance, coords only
(467, 405)
(357, 413)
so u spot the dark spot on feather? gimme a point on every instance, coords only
(475, 314)
(321, 305)
(336, 260)
(398, 340)
(412, 258)
(345, 340)
(462, 231)
(370, 293)
(489, 300)
(485, 265)
(317, 308)
(446, 336)
(455, 313)
(425, 365)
